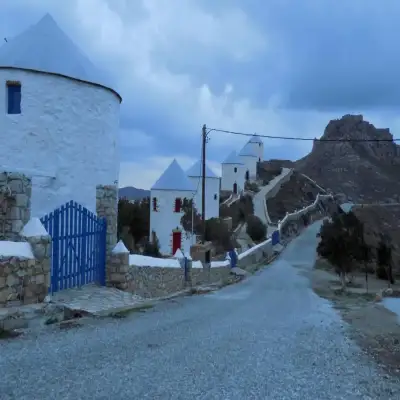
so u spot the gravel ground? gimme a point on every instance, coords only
(269, 337)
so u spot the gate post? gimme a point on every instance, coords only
(107, 207)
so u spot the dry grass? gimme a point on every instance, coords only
(372, 326)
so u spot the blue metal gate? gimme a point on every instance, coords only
(78, 246)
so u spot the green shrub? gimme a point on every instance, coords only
(218, 233)
(251, 186)
(256, 229)
(238, 211)
(152, 249)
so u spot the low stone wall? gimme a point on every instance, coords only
(255, 255)
(26, 280)
(295, 224)
(153, 282)
(203, 276)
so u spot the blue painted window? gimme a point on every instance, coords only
(14, 98)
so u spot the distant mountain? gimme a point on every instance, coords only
(132, 193)
(358, 171)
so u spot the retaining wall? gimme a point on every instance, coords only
(293, 223)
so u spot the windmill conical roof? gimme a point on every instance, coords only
(196, 170)
(248, 150)
(174, 178)
(44, 47)
(233, 159)
(255, 139)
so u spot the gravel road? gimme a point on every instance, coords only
(269, 337)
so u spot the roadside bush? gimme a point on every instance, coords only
(251, 186)
(218, 233)
(306, 219)
(384, 261)
(256, 229)
(152, 249)
(238, 211)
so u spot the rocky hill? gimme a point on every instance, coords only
(360, 172)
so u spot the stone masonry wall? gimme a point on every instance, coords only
(118, 272)
(263, 252)
(107, 206)
(153, 282)
(294, 226)
(215, 275)
(24, 280)
(15, 199)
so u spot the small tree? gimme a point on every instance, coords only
(256, 229)
(152, 249)
(218, 233)
(191, 219)
(384, 261)
(342, 243)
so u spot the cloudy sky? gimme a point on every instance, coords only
(278, 67)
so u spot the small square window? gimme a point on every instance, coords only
(13, 98)
(215, 197)
(235, 169)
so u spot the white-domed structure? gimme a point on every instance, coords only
(258, 146)
(59, 118)
(249, 156)
(195, 174)
(233, 174)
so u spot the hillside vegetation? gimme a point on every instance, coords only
(295, 194)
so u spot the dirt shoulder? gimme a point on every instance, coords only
(372, 326)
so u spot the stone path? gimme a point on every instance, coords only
(95, 299)
(268, 337)
(260, 207)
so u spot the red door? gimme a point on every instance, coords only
(235, 188)
(176, 241)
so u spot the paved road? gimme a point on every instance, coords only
(269, 337)
(259, 198)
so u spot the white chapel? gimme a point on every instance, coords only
(59, 118)
(167, 196)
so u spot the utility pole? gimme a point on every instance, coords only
(203, 180)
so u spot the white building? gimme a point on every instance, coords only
(258, 146)
(249, 156)
(195, 174)
(167, 196)
(233, 174)
(59, 118)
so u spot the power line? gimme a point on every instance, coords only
(300, 138)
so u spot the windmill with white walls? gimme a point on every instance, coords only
(249, 157)
(194, 173)
(233, 174)
(167, 197)
(59, 118)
